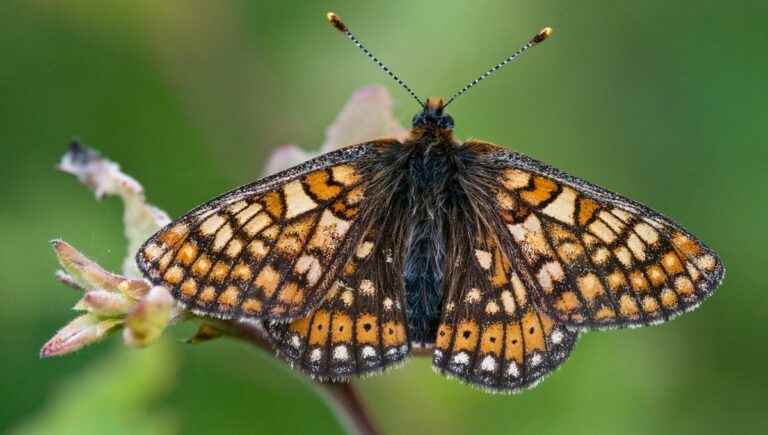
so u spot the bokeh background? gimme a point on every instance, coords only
(662, 101)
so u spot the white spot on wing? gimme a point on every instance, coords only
(602, 231)
(647, 233)
(364, 249)
(308, 264)
(368, 352)
(508, 302)
(295, 341)
(222, 237)
(563, 207)
(296, 200)
(557, 337)
(211, 224)
(616, 225)
(245, 215)
(636, 246)
(340, 353)
(473, 296)
(488, 364)
(347, 297)
(484, 258)
(367, 287)
(461, 358)
(536, 359)
(255, 225)
(512, 370)
(623, 215)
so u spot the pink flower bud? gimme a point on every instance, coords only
(105, 303)
(148, 319)
(77, 334)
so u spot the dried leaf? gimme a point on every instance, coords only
(104, 177)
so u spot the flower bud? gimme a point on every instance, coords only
(105, 303)
(146, 322)
(77, 334)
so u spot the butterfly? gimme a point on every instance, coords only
(491, 259)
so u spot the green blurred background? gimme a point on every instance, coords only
(662, 101)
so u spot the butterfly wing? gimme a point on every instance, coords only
(271, 248)
(361, 327)
(593, 258)
(491, 333)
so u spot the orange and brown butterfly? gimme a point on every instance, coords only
(495, 261)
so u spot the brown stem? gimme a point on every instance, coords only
(348, 407)
(341, 397)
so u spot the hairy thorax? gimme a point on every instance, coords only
(424, 181)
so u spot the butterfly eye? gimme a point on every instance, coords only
(445, 121)
(418, 120)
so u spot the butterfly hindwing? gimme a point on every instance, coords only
(492, 334)
(268, 249)
(594, 258)
(361, 326)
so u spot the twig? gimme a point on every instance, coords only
(349, 408)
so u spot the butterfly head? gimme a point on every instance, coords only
(433, 117)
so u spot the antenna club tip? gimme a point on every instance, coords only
(336, 22)
(542, 35)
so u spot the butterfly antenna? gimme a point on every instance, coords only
(341, 27)
(541, 36)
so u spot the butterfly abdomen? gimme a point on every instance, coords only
(423, 281)
(428, 175)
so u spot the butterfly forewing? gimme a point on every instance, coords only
(593, 258)
(271, 248)
(361, 326)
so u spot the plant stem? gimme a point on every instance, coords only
(348, 406)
